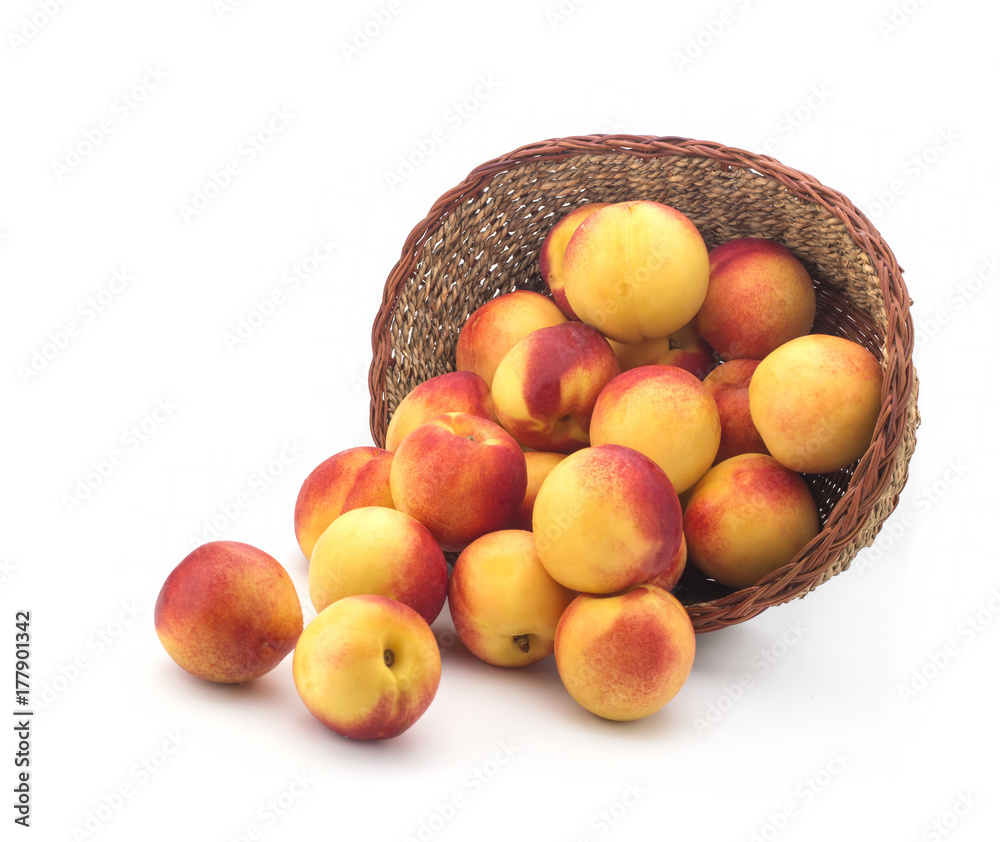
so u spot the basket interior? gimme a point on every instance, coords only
(487, 243)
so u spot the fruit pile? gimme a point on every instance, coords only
(659, 410)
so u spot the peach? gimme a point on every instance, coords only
(669, 578)
(636, 270)
(228, 613)
(759, 297)
(504, 604)
(815, 401)
(747, 517)
(545, 387)
(606, 518)
(683, 348)
(367, 667)
(729, 384)
(347, 480)
(379, 551)
(461, 476)
(498, 325)
(664, 412)
(539, 465)
(624, 656)
(554, 250)
(456, 391)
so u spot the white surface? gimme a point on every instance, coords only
(822, 731)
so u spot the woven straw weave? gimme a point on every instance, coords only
(482, 239)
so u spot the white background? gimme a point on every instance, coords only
(893, 104)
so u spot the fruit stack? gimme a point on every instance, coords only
(659, 410)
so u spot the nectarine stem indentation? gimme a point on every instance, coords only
(388, 657)
(522, 643)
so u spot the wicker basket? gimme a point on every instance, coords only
(482, 238)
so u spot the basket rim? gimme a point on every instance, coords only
(899, 377)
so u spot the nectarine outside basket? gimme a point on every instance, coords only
(482, 238)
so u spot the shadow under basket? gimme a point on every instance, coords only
(482, 238)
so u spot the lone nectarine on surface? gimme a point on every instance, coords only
(228, 613)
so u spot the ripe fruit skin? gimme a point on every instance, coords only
(748, 516)
(815, 402)
(497, 326)
(456, 391)
(461, 476)
(228, 613)
(545, 388)
(358, 476)
(540, 465)
(625, 655)
(504, 604)
(729, 385)
(367, 667)
(553, 252)
(374, 550)
(759, 297)
(684, 348)
(606, 518)
(664, 412)
(636, 271)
